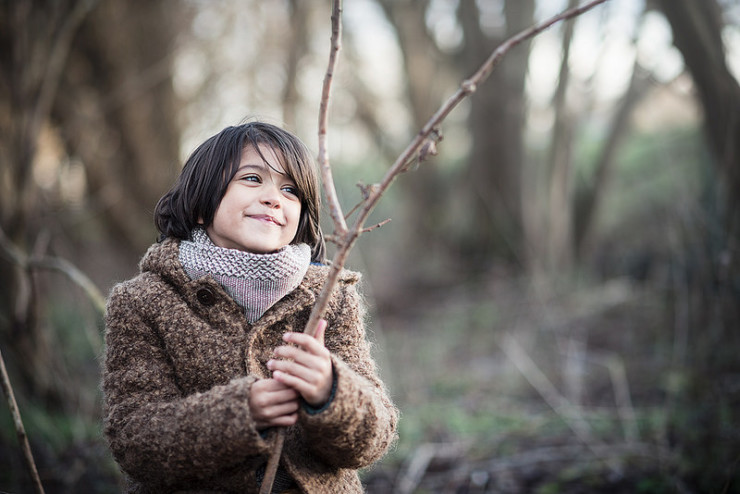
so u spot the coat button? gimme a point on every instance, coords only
(206, 296)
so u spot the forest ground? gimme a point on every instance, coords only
(513, 388)
(505, 387)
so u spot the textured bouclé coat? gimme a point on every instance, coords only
(180, 360)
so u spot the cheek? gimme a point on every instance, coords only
(296, 220)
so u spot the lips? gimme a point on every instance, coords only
(266, 218)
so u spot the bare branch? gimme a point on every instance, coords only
(19, 429)
(429, 131)
(467, 87)
(378, 225)
(560, 405)
(427, 138)
(335, 210)
(75, 275)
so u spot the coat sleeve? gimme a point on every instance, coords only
(156, 434)
(359, 425)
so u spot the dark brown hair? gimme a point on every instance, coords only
(207, 172)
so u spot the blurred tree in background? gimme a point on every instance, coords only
(595, 152)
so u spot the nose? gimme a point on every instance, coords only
(270, 196)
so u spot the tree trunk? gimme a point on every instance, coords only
(697, 32)
(35, 41)
(559, 245)
(299, 12)
(589, 201)
(115, 110)
(426, 69)
(496, 122)
(711, 280)
(119, 114)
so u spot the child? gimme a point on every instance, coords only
(205, 355)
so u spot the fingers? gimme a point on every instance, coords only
(305, 367)
(310, 344)
(269, 392)
(272, 403)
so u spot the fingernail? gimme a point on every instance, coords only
(270, 363)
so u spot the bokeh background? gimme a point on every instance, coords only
(555, 304)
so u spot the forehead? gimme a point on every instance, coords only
(266, 157)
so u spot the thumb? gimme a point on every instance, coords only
(321, 331)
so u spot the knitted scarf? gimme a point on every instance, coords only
(254, 281)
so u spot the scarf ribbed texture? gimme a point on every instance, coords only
(254, 281)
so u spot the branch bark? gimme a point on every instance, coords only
(20, 430)
(335, 209)
(427, 137)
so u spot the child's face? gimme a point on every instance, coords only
(260, 211)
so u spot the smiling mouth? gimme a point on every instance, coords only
(266, 218)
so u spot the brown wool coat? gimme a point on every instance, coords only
(180, 359)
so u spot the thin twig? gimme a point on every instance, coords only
(19, 429)
(347, 238)
(335, 210)
(376, 226)
(623, 398)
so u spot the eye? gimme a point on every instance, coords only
(290, 189)
(251, 178)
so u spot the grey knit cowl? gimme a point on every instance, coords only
(254, 281)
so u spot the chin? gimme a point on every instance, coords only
(262, 249)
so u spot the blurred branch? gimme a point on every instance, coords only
(414, 469)
(26, 262)
(423, 145)
(623, 398)
(20, 430)
(560, 405)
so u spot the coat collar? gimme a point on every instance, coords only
(162, 259)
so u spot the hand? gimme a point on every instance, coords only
(305, 367)
(273, 404)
